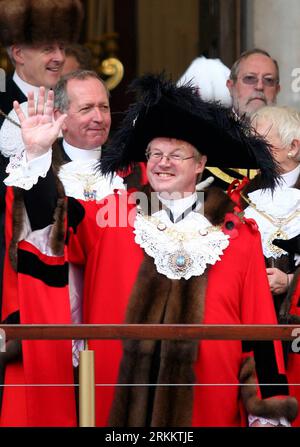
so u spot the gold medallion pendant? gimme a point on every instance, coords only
(180, 261)
(89, 194)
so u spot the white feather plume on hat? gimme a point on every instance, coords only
(209, 76)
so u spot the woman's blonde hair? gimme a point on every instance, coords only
(285, 120)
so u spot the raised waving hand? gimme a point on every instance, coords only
(39, 130)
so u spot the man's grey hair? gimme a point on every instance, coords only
(236, 66)
(61, 99)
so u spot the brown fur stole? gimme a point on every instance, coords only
(157, 299)
(18, 214)
(267, 408)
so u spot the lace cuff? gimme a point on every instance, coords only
(276, 422)
(24, 174)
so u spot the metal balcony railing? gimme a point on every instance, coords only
(149, 331)
(137, 331)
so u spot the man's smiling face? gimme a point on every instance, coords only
(173, 166)
(39, 65)
(248, 97)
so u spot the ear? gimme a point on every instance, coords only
(278, 88)
(17, 54)
(295, 146)
(201, 164)
(229, 84)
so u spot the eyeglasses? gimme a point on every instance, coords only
(268, 81)
(158, 156)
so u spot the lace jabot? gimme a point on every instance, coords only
(183, 249)
(82, 181)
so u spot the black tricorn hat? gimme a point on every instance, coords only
(167, 110)
(37, 21)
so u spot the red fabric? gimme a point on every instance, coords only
(14, 412)
(44, 362)
(113, 260)
(235, 188)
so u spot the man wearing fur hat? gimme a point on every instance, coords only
(187, 261)
(34, 33)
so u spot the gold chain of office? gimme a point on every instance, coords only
(89, 183)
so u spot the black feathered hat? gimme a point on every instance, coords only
(37, 21)
(167, 110)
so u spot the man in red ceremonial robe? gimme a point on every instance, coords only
(177, 257)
